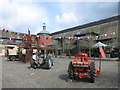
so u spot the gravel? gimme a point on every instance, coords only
(16, 74)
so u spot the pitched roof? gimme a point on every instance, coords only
(115, 18)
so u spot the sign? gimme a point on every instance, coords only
(102, 52)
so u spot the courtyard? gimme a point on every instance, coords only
(16, 74)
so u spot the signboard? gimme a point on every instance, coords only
(102, 52)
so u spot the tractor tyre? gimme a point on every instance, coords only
(9, 58)
(92, 72)
(70, 70)
(12, 58)
(52, 62)
(76, 77)
(33, 64)
(48, 64)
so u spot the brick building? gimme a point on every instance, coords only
(44, 38)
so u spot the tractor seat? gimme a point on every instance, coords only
(81, 63)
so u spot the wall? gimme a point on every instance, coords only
(45, 41)
(103, 28)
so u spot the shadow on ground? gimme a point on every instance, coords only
(77, 79)
(63, 77)
(86, 80)
(29, 67)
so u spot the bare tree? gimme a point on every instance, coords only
(55, 44)
(69, 44)
(85, 44)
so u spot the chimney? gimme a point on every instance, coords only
(44, 27)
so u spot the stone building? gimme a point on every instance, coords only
(60, 46)
(93, 29)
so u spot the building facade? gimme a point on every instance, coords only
(103, 29)
(44, 38)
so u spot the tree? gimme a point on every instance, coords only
(85, 44)
(68, 45)
(55, 44)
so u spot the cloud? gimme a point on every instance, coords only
(66, 19)
(79, 13)
(20, 16)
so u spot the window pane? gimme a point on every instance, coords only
(42, 44)
(46, 38)
(42, 37)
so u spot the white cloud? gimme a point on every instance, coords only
(20, 17)
(67, 0)
(66, 19)
(80, 13)
(56, 29)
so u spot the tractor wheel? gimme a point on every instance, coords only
(48, 64)
(76, 77)
(70, 70)
(52, 62)
(92, 72)
(9, 58)
(13, 58)
(32, 64)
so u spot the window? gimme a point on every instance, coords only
(42, 37)
(42, 44)
(78, 33)
(46, 38)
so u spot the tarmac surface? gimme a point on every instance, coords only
(16, 74)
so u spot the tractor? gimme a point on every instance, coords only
(82, 68)
(39, 60)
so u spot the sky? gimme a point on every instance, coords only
(21, 15)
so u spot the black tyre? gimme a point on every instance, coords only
(92, 72)
(12, 58)
(9, 58)
(33, 64)
(76, 77)
(70, 70)
(48, 64)
(52, 62)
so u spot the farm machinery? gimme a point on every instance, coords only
(42, 61)
(83, 68)
(36, 59)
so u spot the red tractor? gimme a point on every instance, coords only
(83, 68)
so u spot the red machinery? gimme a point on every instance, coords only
(82, 68)
(27, 44)
(37, 60)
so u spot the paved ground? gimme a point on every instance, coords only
(17, 75)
